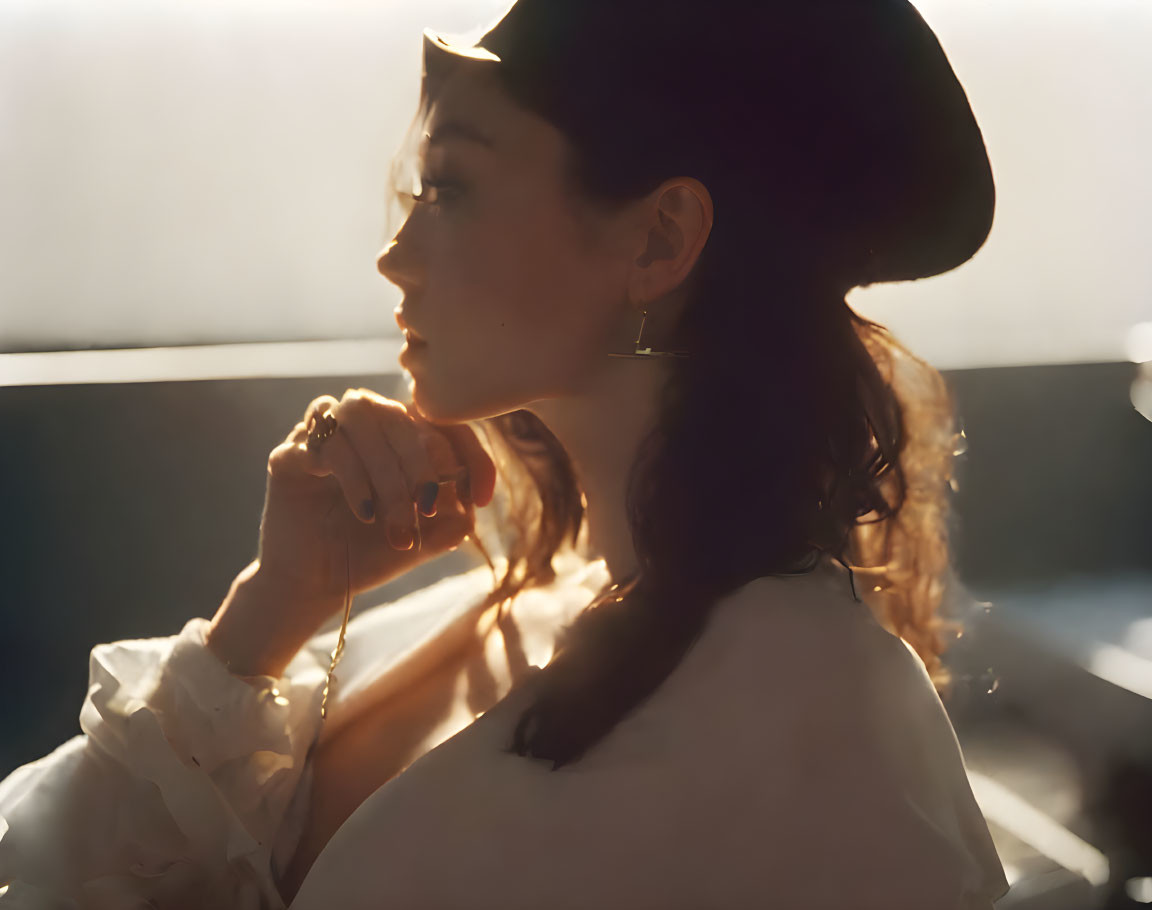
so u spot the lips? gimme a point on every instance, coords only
(412, 337)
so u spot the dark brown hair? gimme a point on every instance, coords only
(797, 428)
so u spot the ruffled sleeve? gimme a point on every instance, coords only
(184, 790)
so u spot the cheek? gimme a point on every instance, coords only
(516, 308)
(523, 283)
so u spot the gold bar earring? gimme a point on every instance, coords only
(646, 352)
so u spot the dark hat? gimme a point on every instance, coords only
(845, 113)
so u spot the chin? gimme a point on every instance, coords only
(450, 407)
(453, 396)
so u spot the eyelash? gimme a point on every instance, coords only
(439, 187)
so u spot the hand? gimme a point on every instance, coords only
(363, 482)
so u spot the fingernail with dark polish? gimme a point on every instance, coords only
(427, 498)
(400, 538)
(367, 509)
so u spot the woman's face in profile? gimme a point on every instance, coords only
(516, 288)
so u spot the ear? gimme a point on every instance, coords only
(675, 219)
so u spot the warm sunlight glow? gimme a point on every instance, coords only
(1039, 831)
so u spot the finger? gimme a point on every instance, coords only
(395, 495)
(481, 469)
(406, 440)
(447, 466)
(291, 456)
(337, 457)
(322, 404)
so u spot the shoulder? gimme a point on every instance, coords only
(799, 648)
(818, 679)
(809, 637)
(756, 765)
(839, 749)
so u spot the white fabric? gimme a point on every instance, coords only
(798, 757)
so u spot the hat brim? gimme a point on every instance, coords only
(436, 42)
(441, 52)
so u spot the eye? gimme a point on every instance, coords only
(443, 191)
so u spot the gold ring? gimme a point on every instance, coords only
(320, 428)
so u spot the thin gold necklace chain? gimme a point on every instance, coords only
(338, 651)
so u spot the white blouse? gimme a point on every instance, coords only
(798, 757)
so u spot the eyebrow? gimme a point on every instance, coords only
(457, 129)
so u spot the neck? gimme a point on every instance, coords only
(601, 429)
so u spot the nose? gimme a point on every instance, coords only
(392, 265)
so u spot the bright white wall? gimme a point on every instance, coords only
(187, 171)
(1062, 90)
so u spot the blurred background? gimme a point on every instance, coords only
(192, 196)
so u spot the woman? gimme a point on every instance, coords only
(674, 695)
